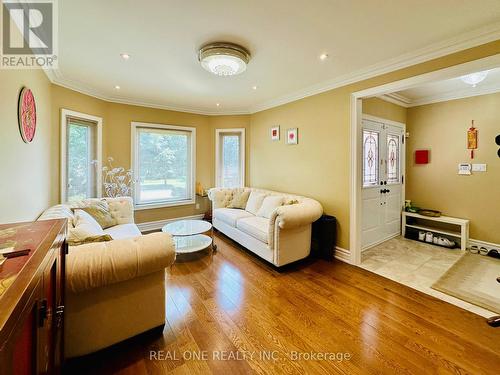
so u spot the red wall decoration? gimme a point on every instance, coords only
(421, 156)
(27, 115)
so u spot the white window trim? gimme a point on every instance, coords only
(65, 114)
(218, 168)
(134, 162)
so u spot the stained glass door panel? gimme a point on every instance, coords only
(370, 157)
(393, 156)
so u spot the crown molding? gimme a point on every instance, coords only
(461, 94)
(458, 43)
(81, 88)
(396, 98)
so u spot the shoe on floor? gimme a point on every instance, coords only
(446, 242)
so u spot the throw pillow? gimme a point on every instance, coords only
(240, 199)
(100, 238)
(221, 198)
(254, 202)
(85, 226)
(269, 204)
(100, 212)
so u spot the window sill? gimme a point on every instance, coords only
(150, 206)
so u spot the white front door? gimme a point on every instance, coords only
(382, 179)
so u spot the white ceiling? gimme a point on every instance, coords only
(444, 90)
(285, 38)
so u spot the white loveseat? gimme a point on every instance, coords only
(115, 289)
(283, 238)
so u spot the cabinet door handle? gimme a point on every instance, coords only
(42, 312)
(59, 315)
(60, 309)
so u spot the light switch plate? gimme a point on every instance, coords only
(478, 167)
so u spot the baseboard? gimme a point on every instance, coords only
(156, 225)
(342, 254)
(488, 245)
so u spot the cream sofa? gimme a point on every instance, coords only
(283, 238)
(116, 289)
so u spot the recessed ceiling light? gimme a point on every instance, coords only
(117, 87)
(254, 87)
(323, 56)
(125, 56)
(224, 59)
(217, 104)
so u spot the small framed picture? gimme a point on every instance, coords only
(275, 133)
(292, 136)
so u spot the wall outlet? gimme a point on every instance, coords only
(478, 167)
(197, 206)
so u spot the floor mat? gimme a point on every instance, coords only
(473, 279)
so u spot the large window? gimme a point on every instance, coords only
(230, 157)
(80, 156)
(164, 164)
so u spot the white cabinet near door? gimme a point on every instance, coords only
(382, 147)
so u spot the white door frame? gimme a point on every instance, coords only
(355, 134)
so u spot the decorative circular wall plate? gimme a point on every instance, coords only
(27, 115)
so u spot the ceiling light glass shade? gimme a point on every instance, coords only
(474, 78)
(224, 59)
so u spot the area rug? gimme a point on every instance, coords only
(473, 278)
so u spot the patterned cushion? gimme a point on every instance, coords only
(99, 238)
(240, 198)
(100, 212)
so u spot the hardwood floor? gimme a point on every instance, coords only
(234, 309)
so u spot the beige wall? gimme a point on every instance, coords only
(117, 142)
(319, 165)
(442, 128)
(26, 170)
(386, 110)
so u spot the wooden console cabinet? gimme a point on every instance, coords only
(32, 298)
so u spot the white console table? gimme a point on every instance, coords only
(462, 232)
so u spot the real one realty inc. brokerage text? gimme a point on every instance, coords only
(231, 355)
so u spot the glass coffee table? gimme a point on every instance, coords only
(188, 235)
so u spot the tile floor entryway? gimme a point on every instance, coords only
(417, 265)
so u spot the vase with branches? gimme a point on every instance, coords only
(117, 181)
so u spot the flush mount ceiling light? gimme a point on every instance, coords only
(474, 78)
(224, 59)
